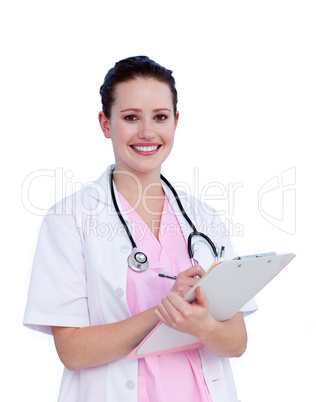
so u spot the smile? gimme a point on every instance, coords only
(145, 148)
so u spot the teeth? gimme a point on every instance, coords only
(146, 149)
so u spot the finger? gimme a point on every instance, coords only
(187, 281)
(188, 278)
(176, 310)
(160, 316)
(167, 317)
(196, 270)
(165, 309)
(191, 274)
(201, 298)
(175, 304)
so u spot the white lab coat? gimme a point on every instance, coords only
(79, 279)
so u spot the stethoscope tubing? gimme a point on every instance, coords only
(138, 266)
(195, 232)
(117, 209)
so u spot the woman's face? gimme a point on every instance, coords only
(141, 126)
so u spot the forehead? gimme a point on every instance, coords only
(142, 91)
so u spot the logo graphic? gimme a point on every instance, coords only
(277, 201)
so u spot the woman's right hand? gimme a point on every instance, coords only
(187, 279)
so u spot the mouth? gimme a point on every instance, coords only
(146, 149)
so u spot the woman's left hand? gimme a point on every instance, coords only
(225, 338)
(191, 318)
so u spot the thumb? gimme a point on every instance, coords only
(201, 298)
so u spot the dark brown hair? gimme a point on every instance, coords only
(128, 69)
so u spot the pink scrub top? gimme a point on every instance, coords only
(175, 376)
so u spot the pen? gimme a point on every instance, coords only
(222, 253)
(167, 276)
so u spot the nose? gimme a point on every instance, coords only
(147, 131)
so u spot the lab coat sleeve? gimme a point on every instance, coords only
(58, 292)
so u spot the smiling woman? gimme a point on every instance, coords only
(84, 289)
(145, 130)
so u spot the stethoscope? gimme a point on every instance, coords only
(138, 260)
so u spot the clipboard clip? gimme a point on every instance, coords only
(244, 257)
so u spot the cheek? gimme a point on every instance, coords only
(124, 132)
(168, 134)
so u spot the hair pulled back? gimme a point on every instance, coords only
(131, 68)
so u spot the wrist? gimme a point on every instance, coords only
(208, 329)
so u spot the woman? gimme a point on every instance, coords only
(98, 307)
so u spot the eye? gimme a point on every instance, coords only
(130, 117)
(161, 117)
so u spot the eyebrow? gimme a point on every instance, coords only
(139, 110)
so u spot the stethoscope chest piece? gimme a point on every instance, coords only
(138, 261)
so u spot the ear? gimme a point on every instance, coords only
(105, 125)
(176, 119)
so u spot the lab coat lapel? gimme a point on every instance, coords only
(101, 191)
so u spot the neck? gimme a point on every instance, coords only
(136, 187)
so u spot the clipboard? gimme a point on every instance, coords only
(229, 285)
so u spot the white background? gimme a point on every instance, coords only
(245, 73)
